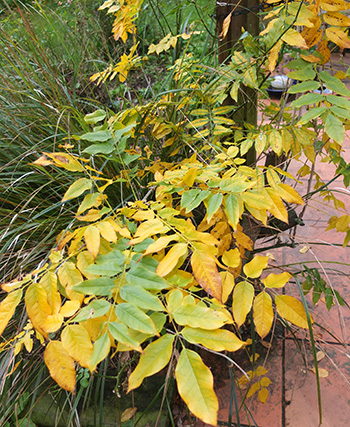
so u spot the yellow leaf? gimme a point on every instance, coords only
(91, 200)
(338, 36)
(320, 355)
(323, 373)
(196, 386)
(52, 323)
(66, 161)
(225, 26)
(275, 141)
(60, 365)
(76, 341)
(171, 259)
(190, 176)
(334, 5)
(8, 307)
(228, 283)
(291, 309)
(253, 389)
(84, 260)
(154, 358)
(206, 273)
(37, 306)
(288, 194)
(293, 38)
(198, 316)
(69, 276)
(337, 19)
(311, 58)
(243, 296)
(92, 240)
(128, 414)
(147, 229)
(107, 231)
(49, 283)
(143, 215)
(255, 267)
(263, 395)
(69, 308)
(160, 244)
(263, 313)
(276, 280)
(277, 207)
(324, 50)
(232, 258)
(77, 188)
(217, 340)
(273, 56)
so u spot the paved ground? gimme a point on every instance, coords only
(293, 399)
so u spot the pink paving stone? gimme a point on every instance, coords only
(301, 393)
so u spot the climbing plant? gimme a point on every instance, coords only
(172, 268)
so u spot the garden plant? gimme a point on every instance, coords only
(145, 195)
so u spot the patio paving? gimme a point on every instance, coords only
(293, 398)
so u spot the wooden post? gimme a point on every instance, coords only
(248, 98)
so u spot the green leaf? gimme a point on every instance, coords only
(101, 349)
(95, 117)
(122, 334)
(214, 203)
(313, 113)
(334, 128)
(275, 141)
(303, 74)
(101, 286)
(196, 386)
(217, 340)
(308, 99)
(304, 87)
(99, 136)
(109, 264)
(141, 298)
(77, 188)
(144, 274)
(340, 112)
(193, 198)
(154, 358)
(135, 318)
(104, 148)
(339, 101)
(96, 308)
(333, 83)
(198, 316)
(233, 209)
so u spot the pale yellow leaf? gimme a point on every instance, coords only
(147, 229)
(69, 276)
(277, 207)
(195, 384)
(273, 56)
(243, 296)
(107, 231)
(276, 280)
(320, 355)
(77, 343)
(77, 188)
(217, 340)
(206, 273)
(228, 283)
(255, 267)
(92, 240)
(293, 38)
(49, 283)
(160, 244)
(154, 358)
(52, 323)
(171, 259)
(69, 308)
(291, 309)
(323, 373)
(334, 5)
(337, 19)
(8, 306)
(263, 313)
(60, 365)
(287, 193)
